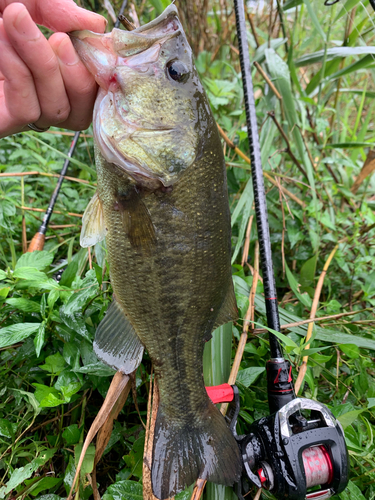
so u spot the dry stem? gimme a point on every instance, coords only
(266, 175)
(319, 286)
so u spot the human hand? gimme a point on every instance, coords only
(43, 81)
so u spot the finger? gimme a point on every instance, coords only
(19, 103)
(61, 15)
(79, 83)
(37, 54)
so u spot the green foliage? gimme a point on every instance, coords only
(52, 384)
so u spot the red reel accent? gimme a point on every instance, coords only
(262, 476)
(220, 393)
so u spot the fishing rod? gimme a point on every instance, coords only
(38, 240)
(300, 446)
(37, 243)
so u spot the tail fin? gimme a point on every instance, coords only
(182, 454)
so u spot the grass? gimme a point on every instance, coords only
(315, 141)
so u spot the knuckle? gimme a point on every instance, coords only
(50, 67)
(22, 117)
(60, 115)
(87, 89)
(33, 116)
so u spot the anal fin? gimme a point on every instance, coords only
(228, 311)
(116, 342)
(93, 227)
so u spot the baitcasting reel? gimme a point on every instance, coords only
(298, 453)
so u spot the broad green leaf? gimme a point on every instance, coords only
(3, 275)
(68, 383)
(6, 428)
(134, 460)
(38, 260)
(24, 305)
(275, 43)
(352, 492)
(38, 284)
(88, 289)
(249, 375)
(31, 399)
(246, 197)
(50, 496)
(286, 340)
(69, 274)
(19, 475)
(99, 369)
(17, 333)
(350, 350)
(290, 4)
(217, 356)
(341, 52)
(124, 490)
(39, 338)
(69, 474)
(308, 272)
(347, 7)
(71, 434)
(54, 364)
(48, 397)
(46, 483)
(364, 62)
(29, 273)
(350, 145)
(53, 297)
(348, 418)
(4, 293)
(88, 461)
(304, 298)
(371, 402)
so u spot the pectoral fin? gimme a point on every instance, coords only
(93, 227)
(228, 311)
(137, 222)
(116, 342)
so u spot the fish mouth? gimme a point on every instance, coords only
(103, 52)
(154, 151)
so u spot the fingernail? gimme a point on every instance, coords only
(102, 20)
(25, 26)
(66, 53)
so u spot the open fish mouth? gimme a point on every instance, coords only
(102, 52)
(143, 116)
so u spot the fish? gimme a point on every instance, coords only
(162, 206)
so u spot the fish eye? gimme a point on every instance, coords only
(178, 71)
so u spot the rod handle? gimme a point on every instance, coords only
(37, 243)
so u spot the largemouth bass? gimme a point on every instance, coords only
(162, 205)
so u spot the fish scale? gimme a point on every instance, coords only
(167, 226)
